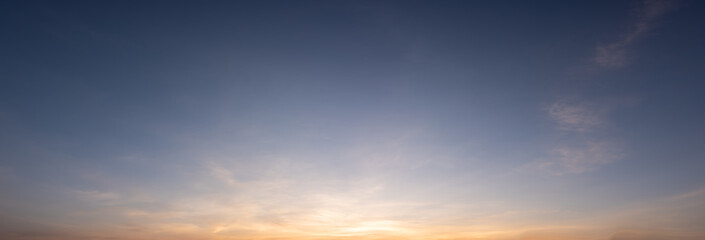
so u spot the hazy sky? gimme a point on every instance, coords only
(298, 120)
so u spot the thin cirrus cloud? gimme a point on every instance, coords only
(614, 54)
(579, 122)
(582, 116)
(582, 158)
(580, 119)
(576, 116)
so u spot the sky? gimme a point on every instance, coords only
(373, 120)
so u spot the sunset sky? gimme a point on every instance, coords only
(344, 119)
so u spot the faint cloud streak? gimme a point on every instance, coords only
(614, 54)
(578, 117)
(583, 125)
(580, 159)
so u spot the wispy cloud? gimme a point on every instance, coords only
(221, 173)
(576, 116)
(579, 123)
(98, 195)
(579, 159)
(580, 119)
(582, 116)
(689, 195)
(614, 54)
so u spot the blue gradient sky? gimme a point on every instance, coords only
(352, 120)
